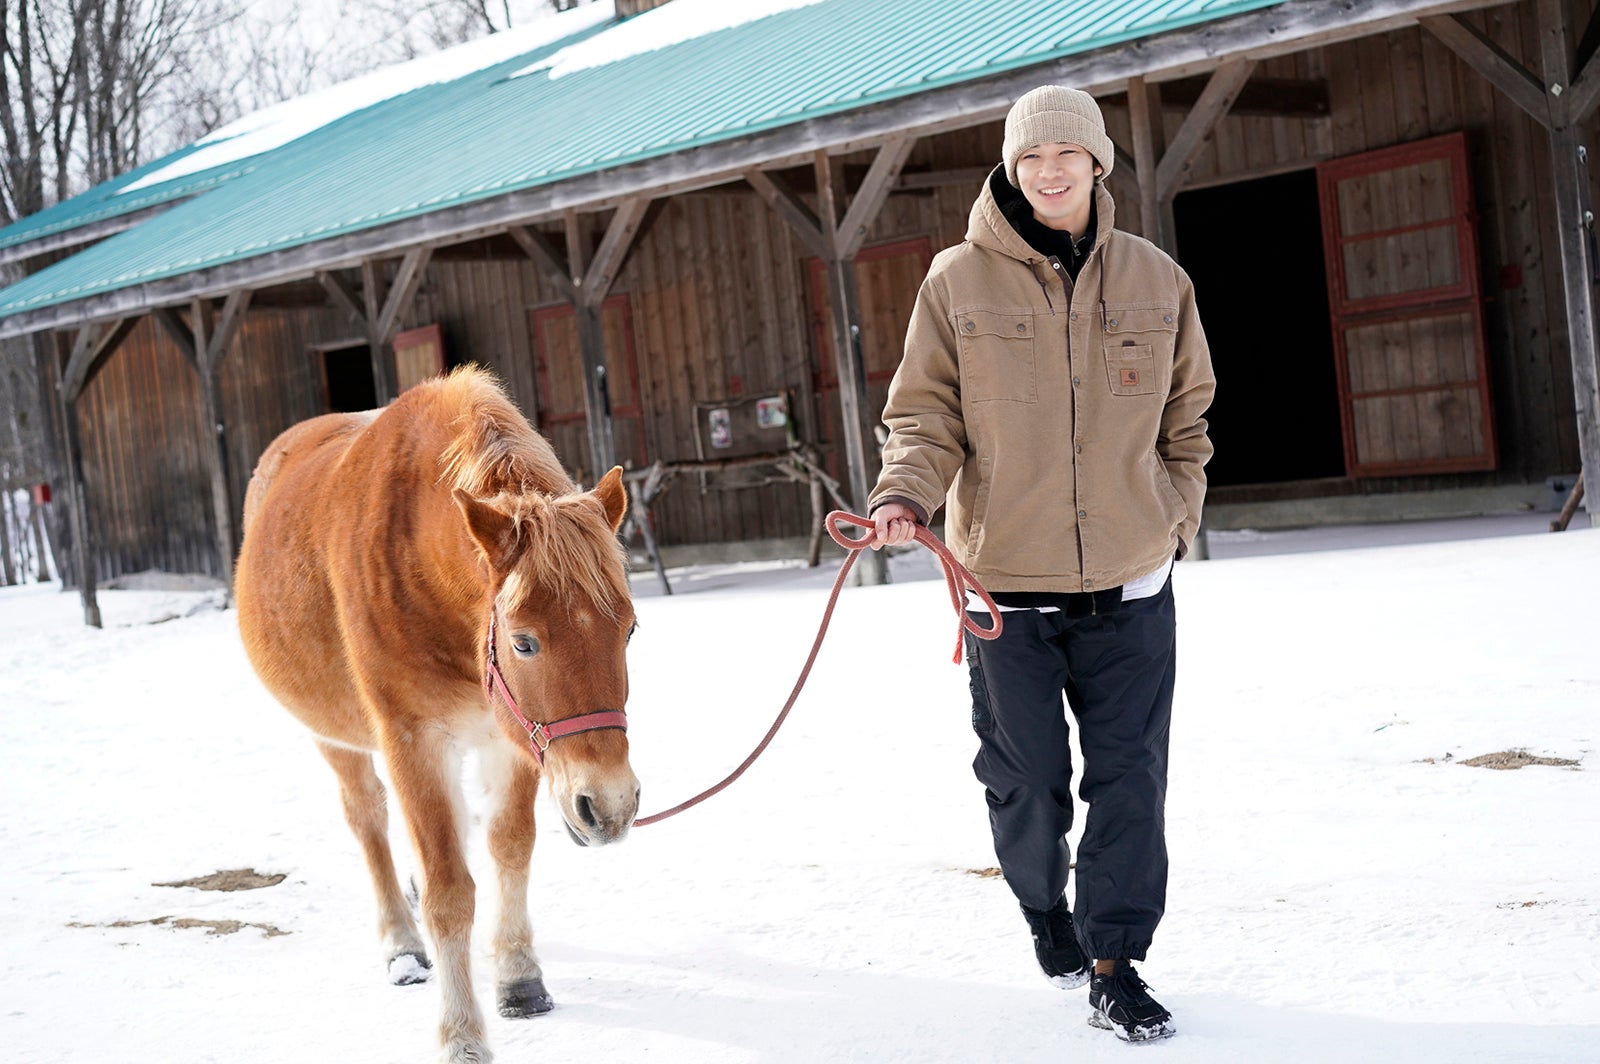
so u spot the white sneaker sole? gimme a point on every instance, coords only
(1069, 982)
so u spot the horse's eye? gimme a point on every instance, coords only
(632, 630)
(526, 646)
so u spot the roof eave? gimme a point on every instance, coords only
(1261, 34)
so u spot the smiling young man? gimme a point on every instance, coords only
(1051, 398)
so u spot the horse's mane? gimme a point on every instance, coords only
(498, 457)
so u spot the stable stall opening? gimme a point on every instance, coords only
(1254, 252)
(347, 376)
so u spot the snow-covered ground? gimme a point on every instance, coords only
(1343, 887)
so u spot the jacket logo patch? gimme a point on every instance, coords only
(1130, 378)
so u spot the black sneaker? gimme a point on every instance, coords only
(1121, 1006)
(1055, 943)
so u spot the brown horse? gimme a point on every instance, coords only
(397, 563)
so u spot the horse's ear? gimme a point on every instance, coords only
(493, 530)
(613, 496)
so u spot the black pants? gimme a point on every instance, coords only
(1116, 671)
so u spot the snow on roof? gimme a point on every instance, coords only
(274, 126)
(661, 27)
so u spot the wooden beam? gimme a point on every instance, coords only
(539, 248)
(77, 493)
(233, 312)
(596, 388)
(1485, 56)
(1126, 164)
(1281, 29)
(178, 331)
(343, 295)
(1208, 111)
(1261, 97)
(844, 317)
(90, 352)
(372, 308)
(869, 197)
(208, 342)
(1555, 57)
(404, 289)
(1584, 94)
(602, 272)
(1149, 142)
(577, 235)
(786, 205)
(1574, 229)
(966, 175)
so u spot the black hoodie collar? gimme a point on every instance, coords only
(1043, 239)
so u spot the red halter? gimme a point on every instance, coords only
(540, 736)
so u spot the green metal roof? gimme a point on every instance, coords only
(490, 133)
(107, 201)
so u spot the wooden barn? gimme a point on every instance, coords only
(691, 248)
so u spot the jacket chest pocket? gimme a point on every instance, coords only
(1139, 343)
(997, 356)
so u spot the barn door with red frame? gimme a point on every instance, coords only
(558, 382)
(887, 278)
(1398, 230)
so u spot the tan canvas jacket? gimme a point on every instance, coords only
(1059, 423)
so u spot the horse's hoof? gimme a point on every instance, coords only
(467, 1053)
(525, 998)
(408, 969)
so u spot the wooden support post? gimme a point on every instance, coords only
(1149, 144)
(372, 309)
(211, 417)
(844, 317)
(77, 494)
(1575, 227)
(596, 389)
(591, 290)
(212, 341)
(204, 343)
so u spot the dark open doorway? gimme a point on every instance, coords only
(348, 373)
(1254, 252)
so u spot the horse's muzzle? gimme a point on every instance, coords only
(597, 819)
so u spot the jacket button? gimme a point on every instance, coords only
(1083, 513)
(1076, 382)
(1074, 315)
(1167, 319)
(1088, 585)
(1078, 447)
(1112, 323)
(969, 326)
(1021, 327)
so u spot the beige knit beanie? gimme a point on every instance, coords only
(1054, 114)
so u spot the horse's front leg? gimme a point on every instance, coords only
(513, 783)
(425, 770)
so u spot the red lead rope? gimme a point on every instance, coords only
(957, 581)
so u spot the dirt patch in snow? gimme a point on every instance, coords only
(229, 879)
(212, 927)
(1509, 759)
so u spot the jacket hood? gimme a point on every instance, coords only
(988, 226)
